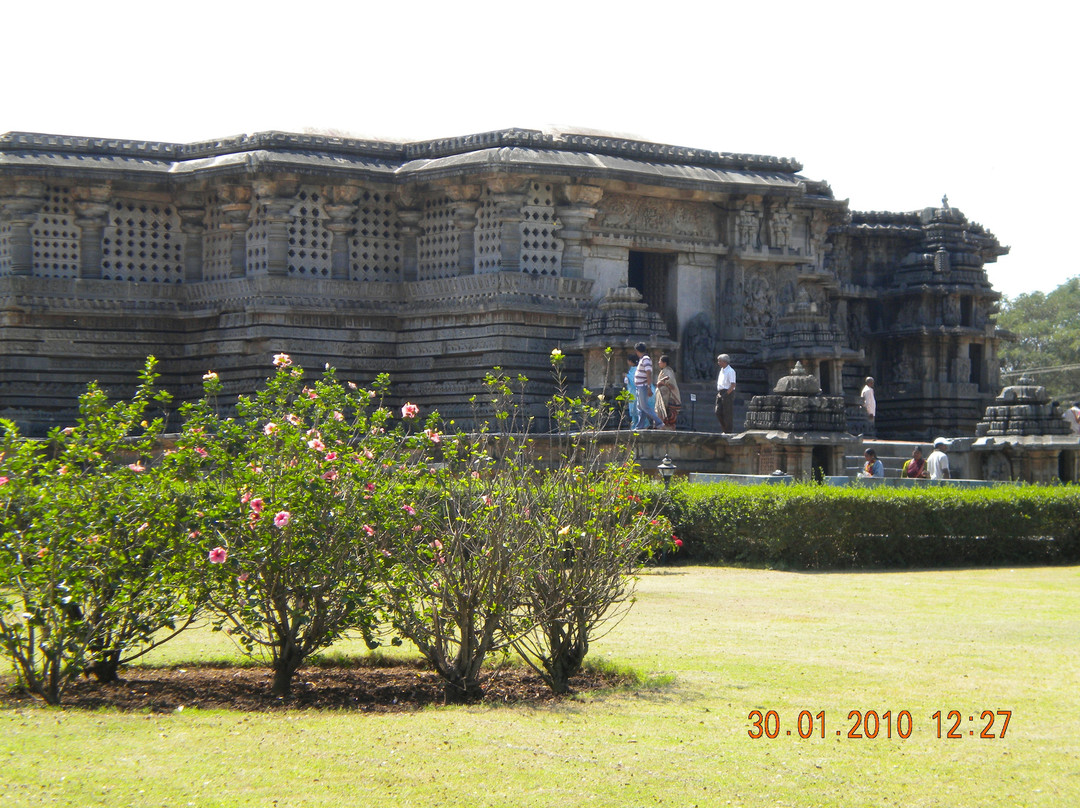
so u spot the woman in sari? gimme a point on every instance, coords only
(668, 401)
(916, 467)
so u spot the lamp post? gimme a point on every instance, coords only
(666, 469)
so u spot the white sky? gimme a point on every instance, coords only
(894, 104)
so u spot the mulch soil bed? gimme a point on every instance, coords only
(367, 689)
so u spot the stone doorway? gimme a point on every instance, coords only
(653, 274)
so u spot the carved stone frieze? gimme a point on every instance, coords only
(621, 213)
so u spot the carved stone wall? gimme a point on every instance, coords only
(438, 260)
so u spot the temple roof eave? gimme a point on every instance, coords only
(508, 151)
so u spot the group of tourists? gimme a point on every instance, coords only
(656, 401)
(934, 467)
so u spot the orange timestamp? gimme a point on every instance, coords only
(870, 724)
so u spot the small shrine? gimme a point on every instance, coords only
(1023, 437)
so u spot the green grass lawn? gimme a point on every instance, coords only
(735, 640)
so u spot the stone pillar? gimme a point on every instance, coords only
(236, 208)
(466, 203)
(275, 200)
(574, 218)
(192, 225)
(20, 212)
(409, 216)
(509, 196)
(341, 207)
(92, 216)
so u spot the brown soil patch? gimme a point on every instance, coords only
(367, 689)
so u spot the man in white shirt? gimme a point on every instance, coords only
(869, 403)
(1071, 416)
(938, 462)
(725, 393)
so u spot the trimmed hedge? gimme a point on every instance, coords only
(807, 526)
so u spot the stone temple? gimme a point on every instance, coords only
(435, 261)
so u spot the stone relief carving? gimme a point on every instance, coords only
(748, 227)
(780, 226)
(760, 306)
(698, 345)
(732, 300)
(640, 214)
(903, 370)
(950, 310)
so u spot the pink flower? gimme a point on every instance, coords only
(410, 410)
(678, 542)
(310, 393)
(489, 501)
(316, 444)
(432, 435)
(282, 360)
(476, 475)
(331, 455)
(270, 428)
(242, 577)
(194, 534)
(338, 416)
(436, 545)
(352, 385)
(256, 504)
(293, 419)
(441, 559)
(4, 480)
(330, 476)
(281, 518)
(142, 527)
(136, 467)
(416, 528)
(42, 552)
(369, 530)
(218, 555)
(409, 509)
(368, 454)
(200, 451)
(370, 486)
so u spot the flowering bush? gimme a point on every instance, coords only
(92, 566)
(286, 489)
(590, 529)
(314, 511)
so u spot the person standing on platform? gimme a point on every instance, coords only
(725, 394)
(1071, 416)
(643, 380)
(938, 461)
(869, 404)
(668, 400)
(631, 388)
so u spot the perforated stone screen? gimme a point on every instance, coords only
(487, 235)
(310, 243)
(217, 246)
(56, 237)
(541, 252)
(437, 247)
(257, 242)
(375, 248)
(5, 248)
(143, 243)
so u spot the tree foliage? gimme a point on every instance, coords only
(1047, 331)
